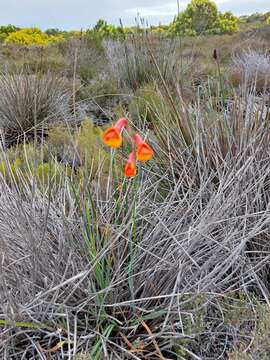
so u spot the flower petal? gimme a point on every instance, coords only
(120, 124)
(144, 152)
(112, 138)
(130, 170)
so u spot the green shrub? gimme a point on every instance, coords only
(202, 17)
(25, 162)
(102, 29)
(147, 106)
(102, 91)
(6, 30)
(55, 32)
(81, 149)
(256, 17)
(226, 23)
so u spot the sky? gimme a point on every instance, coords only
(77, 14)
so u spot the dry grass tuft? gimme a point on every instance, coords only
(28, 102)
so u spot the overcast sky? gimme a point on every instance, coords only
(76, 14)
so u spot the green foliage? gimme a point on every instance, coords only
(100, 25)
(259, 347)
(50, 173)
(5, 30)
(199, 16)
(226, 23)
(202, 17)
(25, 162)
(255, 18)
(89, 146)
(203, 14)
(9, 169)
(103, 29)
(147, 106)
(101, 91)
(81, 148)
(44, 63)
(161, 29)
(55, 32)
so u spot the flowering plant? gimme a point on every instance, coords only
(142, 151)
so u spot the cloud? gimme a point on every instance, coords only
(168, 9)
(70, 14)
(245, 7)
(161, 10)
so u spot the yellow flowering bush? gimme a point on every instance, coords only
(31, 36)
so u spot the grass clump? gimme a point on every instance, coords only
(151, 262)
(134, 64)
(171, 264)
(147, 106)
(252, 67)
(29, 102)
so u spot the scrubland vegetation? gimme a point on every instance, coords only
(172, 263)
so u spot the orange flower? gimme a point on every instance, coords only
(130, 168)
(144, 151)
(113, 136)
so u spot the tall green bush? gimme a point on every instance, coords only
(103, 29)
(202, 16)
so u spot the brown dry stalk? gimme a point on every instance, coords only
(159, 354)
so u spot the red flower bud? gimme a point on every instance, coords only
(130, 168)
